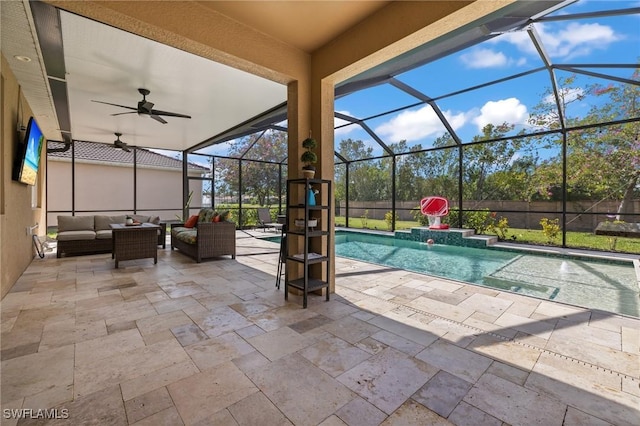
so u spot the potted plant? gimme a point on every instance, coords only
(309, 157)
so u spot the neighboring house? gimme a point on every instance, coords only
(104, 181)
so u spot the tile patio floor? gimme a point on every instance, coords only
(216, 344)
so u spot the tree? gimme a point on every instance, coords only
(259, 179)
(622, 145)
(602, 162)
(441, 170)
(492, 170)
(368, 181)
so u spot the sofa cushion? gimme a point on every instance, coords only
(103, 222)
(75, 223)
(76, 235)
(103, 234)
(206, 215)
(189, 236)
(178, 229)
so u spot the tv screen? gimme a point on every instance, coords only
(28, 158)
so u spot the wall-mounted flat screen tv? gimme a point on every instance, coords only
(25, 168)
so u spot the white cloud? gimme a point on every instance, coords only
(569, 94)
(572, 41)
(340, 122)
(487, 58)
(497, 112)
(521, 62)
(417, 124)
(484, 58)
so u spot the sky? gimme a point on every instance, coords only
(602, 40)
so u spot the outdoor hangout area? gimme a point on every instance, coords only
(216, 216)
(215, 342)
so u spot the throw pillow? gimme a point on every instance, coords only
(224, 215)
(206, 215)
(216, 218)
(191, 222)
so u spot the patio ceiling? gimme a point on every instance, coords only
(76, 60)
(84, 60)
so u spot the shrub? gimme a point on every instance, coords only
(480, 221)
(550, 228)
(388, 217)
(419, 217)
(365, 219)
(500, 227)
(249, 217)
(452, 218)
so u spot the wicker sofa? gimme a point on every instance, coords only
(79, 235)
(206, 240)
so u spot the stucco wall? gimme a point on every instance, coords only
(16, 214)
(108, 188)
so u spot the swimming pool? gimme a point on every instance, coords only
(608, 285)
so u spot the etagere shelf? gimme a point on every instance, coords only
(302, 213)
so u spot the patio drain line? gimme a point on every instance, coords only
(510, 339)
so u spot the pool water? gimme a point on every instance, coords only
(596, 284)
(459, 263)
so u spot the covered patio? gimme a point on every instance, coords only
(215, 343)
(180, 342)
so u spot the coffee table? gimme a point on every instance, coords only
(134, 241)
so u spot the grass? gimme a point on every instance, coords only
(583, 240)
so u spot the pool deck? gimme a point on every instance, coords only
(215, 343)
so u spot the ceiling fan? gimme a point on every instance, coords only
(146, 108)
(120, 144)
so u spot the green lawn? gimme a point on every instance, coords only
(584, 240)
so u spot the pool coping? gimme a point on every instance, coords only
(493, 243)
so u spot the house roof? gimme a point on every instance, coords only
(99, 152)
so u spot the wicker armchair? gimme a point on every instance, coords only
(213, 239)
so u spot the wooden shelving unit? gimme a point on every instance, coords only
(313, 278)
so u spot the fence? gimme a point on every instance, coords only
(582, 216)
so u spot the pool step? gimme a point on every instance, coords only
(451, 236)
(522, 287)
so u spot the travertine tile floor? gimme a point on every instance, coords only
(216, 344)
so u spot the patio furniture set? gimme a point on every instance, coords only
(83, 235)
(79, 235)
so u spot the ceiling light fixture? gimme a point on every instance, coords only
(22, 58)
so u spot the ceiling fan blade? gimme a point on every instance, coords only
(169, 114)
(125, 148)
(146, 108)
(158, 118)
(121, 106)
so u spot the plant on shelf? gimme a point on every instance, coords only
(309, 157)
